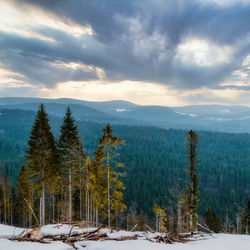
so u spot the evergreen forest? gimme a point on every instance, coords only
(148, 169)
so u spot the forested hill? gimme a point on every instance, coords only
(154, 162)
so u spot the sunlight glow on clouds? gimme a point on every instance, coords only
(137, 92)
(203, 53)
(25, 21)
(148, 52)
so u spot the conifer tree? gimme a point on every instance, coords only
(245, 219)
(70, 147)
(191, 196)
(213, 221)
(5, 197)
(26, 192)
(42, 157)
(108, 144)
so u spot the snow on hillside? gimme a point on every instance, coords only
(8, 231)
(199, 242)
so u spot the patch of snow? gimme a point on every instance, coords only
(17, 245)
(223, 111)
(214, 242)
(122, 110)
(217, 119)
(9, 231)
(188, 114)
(197, 242)
(60, 229)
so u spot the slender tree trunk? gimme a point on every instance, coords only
(86, 202)
(238, 222)
(179, 219)
(70, 197)
(80, 200)
(108, 186)
(191, 221)
(24, 224)
(5, 207)
(90, 207)
(42, 206)
(96, 216)
(53, 208)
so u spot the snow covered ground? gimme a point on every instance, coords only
(199, 242)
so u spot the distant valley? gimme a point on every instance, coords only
(233, 119)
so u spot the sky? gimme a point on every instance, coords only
(150, 52)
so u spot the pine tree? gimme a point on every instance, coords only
(209, 218)
(70, 147)
(213, 221)
(5, 194)
(245, 219)
(108, 144)
(42, 157)
(191, 196)
(26, 192)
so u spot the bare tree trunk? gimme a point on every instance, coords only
(191, 221)
(5, 207)
(108, 187)
(24, 223)
(179, 219)
(238, 222)
(80, 202)
(53, 207)
(87, 202)
(11, 209)
(96, 216)
(191, 210)
(70, 197)
(156, 223)
(43, 204)
(91, 207)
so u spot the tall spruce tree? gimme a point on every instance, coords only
(108, 144)
(70, 147)
(42, 157)
(191, 195)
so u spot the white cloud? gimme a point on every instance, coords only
(224, 3)
(202, 53)
(144, 45)
(24, 20)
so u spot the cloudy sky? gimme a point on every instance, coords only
(160, 52)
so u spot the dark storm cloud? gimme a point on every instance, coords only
(132, 40)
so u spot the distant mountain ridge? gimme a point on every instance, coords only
(222, 118)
